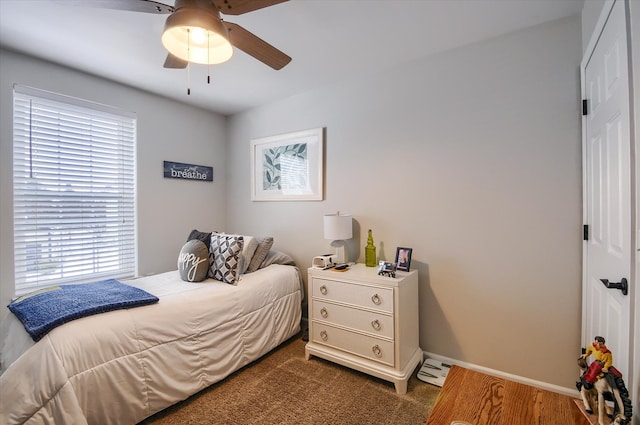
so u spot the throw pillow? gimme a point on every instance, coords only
(224, 257)
(264, 245)
(193, 261)
(201, 236)
(250, 246)
(277, 257)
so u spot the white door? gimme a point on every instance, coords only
(606, 143)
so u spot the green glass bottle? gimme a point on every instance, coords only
(370, 251)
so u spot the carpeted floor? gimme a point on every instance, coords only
(284, 388)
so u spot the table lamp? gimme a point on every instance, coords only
(338, 228)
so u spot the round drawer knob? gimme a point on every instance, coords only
(323, 290)
(323, 335)
(376, 299)
(376, 350)
(323, 312)
(375, 324)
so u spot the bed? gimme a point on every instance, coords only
(122, 366)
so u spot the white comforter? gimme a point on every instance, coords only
(123, 366)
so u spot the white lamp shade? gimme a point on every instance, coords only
(337, 227)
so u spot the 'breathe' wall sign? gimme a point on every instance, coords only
(177, 170)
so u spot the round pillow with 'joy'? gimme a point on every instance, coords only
(193, 261)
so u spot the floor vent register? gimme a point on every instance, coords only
(433, 372)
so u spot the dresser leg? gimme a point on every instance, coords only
(401, 387)
(307, 355)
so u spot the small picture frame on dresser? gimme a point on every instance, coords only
(403, 258)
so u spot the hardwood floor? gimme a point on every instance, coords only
(487, 400)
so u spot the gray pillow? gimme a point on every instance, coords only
(193, 261)
(203, 236)
(277, 257)
(264, 245)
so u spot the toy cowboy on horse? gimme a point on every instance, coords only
(601, 377)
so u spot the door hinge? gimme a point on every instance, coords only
(585, 232)
(585, 109)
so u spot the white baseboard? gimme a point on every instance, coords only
(571, 392)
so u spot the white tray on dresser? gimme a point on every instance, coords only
(366, 322)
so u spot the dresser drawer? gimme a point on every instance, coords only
(365, 296)
(363, 320)
(369, 347)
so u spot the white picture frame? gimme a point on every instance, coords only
(288, 167)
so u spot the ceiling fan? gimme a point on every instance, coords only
(194, 31)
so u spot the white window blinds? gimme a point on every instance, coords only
(73, 190)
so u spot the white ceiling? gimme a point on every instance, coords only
(329, 41)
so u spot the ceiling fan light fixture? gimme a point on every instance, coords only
(197, 35)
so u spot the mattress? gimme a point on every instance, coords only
(145, 359)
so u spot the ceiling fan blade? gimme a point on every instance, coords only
(147, 6)
(174, 62)
(238, 7)
(255, 46)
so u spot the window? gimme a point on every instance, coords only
(73, 190)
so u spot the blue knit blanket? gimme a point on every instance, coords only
(43, 310)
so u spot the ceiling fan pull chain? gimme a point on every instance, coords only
(188, 62)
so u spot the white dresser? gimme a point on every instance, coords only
(366, 322)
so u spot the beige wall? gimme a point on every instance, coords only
(472, 158)
(167, 208)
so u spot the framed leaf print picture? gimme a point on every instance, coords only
(288, 167)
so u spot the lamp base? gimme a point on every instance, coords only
(341, 251)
